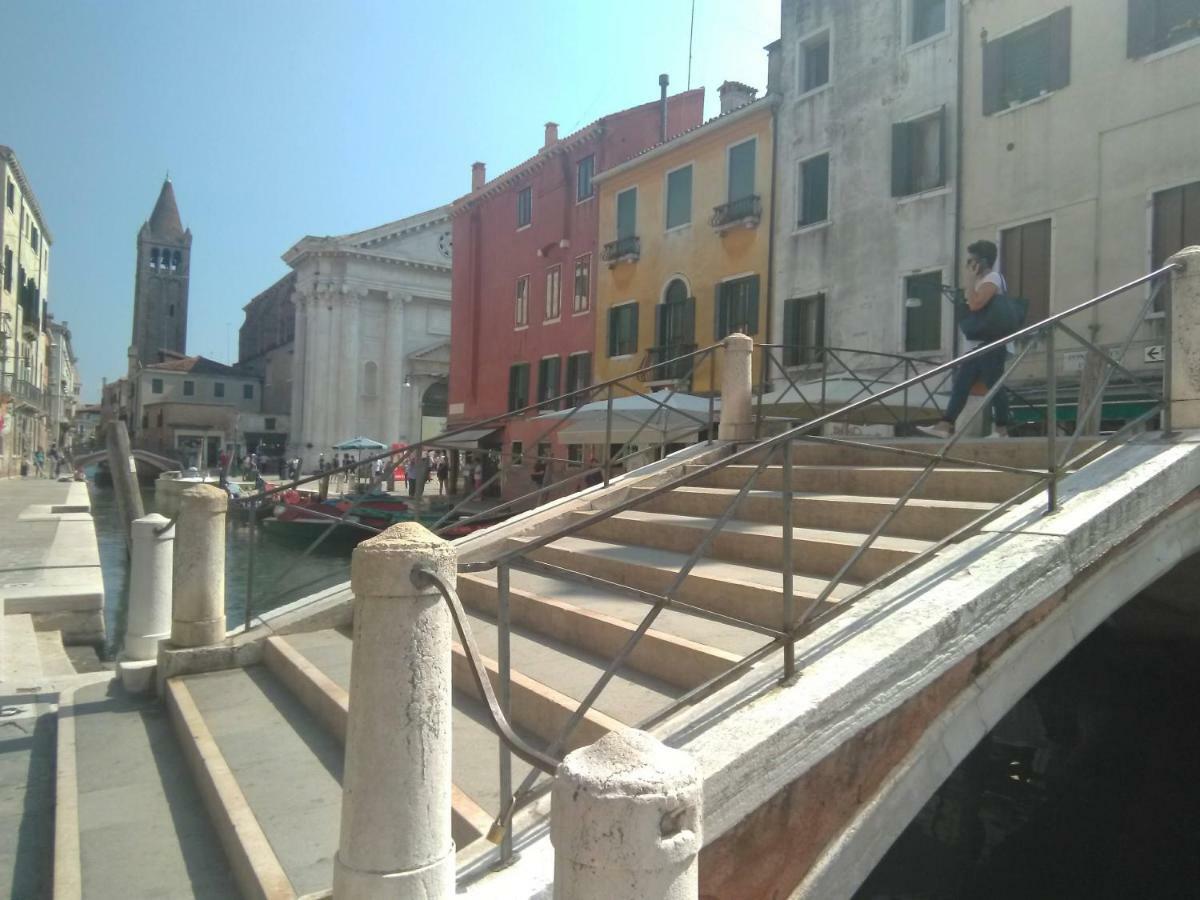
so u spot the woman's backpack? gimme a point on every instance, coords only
(1002, 316)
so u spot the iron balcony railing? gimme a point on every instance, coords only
(668, 363)
(24, 392)
(745, 212)
(623, 249)
(796, 620)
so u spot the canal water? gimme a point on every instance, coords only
(282, 573)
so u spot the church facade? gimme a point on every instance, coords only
(371, 354)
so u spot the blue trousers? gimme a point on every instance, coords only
(986, 368)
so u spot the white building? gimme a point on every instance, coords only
(372, 346)
(63, 385)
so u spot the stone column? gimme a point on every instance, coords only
(396, 791)
(625, 821)
(198, 579)
(149, 617)
(318, 379)
(350, 362)
(392, 386)
(335, 399)
(299, 366)
(737, 410)
(1183, 380)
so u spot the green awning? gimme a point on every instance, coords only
(1068, 412)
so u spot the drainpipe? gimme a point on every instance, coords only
(663, 81)
(958, 179)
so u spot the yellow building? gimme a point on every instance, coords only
(686, 232)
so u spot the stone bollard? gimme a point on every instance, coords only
(395, 836)
(198, 581)
(149, 616)
(737, 417)
(625, 821)
(1184, 335)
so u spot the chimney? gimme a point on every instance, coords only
(663, 81)
(774, 66)
(551, 135)
(734, 94)
(478, 175)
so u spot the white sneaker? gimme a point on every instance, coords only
(940, 430)
(999, 431)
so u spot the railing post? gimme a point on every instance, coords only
(1051, 420)
(789, 596)
(149, 616)
(608, 411)
(1181, 381)
(251, 540)
(737, 416)
(395, 836)
(625, 821)
(504, 697)
(198, 576)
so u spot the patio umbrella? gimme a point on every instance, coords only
(360, 443)
(683, 416)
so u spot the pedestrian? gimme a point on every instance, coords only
(595, 475)
(420, 475)
(477, 472)
(443, 473)
(986, 284)
(39, 463)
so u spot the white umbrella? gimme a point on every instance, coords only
(683, 416)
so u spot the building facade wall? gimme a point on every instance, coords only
(872, 238)
(266, 342)
(697, 253)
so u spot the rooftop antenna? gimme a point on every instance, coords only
(691, 31)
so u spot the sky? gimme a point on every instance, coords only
(281, 118)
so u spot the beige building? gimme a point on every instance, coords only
(63, 385)
(1081, 152)
(24, 278)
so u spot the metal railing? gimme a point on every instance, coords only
(799, 613)
(667, 363)
(625, 248)
(23, 391)
(745, 211)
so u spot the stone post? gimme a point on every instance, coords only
(198, 581)
(737, 410)
(395, 837)
(625, 821)
(1183, 379)
(149, 616)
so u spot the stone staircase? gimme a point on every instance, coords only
(235, 786)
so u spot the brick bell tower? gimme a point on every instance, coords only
(160, 285)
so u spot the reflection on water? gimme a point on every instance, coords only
(282, 573)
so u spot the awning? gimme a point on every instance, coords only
(462, 440)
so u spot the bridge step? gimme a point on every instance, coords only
(815, 552)
(748, 592)
(1023, 452)
(923, 519)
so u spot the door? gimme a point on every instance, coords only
(676, 332)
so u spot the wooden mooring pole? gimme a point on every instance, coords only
(124, 476)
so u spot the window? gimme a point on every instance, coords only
(623, 329)
(583, 284)
(1153, 25)
(269, 423)
(583, 178)
(575, 455)
(517, 451)
(189, 389)
(549, 376)
(247, 392)
(741, 170)
(553, 293)
(11, 198)
(627, 213)
(579, 377)
(1175, 224)
(524, 207)
(8, 279)
(923, 312)
(679, 197)
(919, 155)
(813, 202)
(814, 62)
(154, 257)
(518, 386)
(370, 379)
(156, 385)
(175, 259)
(34, 238)
(1027, 63)
(928, 19)
(218, 389)
(521, 308)
(544, 451)
(145, 420)
(803, 329)
(1025, 263)
(737, 306)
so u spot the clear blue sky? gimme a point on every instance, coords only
(280, 118)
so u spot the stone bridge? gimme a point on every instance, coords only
(153, 460)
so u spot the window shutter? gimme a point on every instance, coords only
(634, 315)
(1059, 69)
(612, 332)
(752, 304)
(993, 76)
(819, 337)
(660, 323)
(1140, 28)
(943, 147)
(901, 158)
(688, 330)
(791, 332)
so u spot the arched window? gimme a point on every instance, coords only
(435, 403)
(370, 385)
(676, 292)
(674, 332)
(154, 257)
(175, 258)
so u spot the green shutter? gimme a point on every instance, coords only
(612, 332)
(943, 145)
(741, 170)
(633, 327)
(752, 304)
(688, 324)
(901, 159)
(627, 213)
(791, 332)
(719, 317)
(1059, 65)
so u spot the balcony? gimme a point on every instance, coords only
(23, 392)
(743, 213)
(668, 367)
(626, 249)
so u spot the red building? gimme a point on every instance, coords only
(524, 273)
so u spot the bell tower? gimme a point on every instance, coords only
(160, 284)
